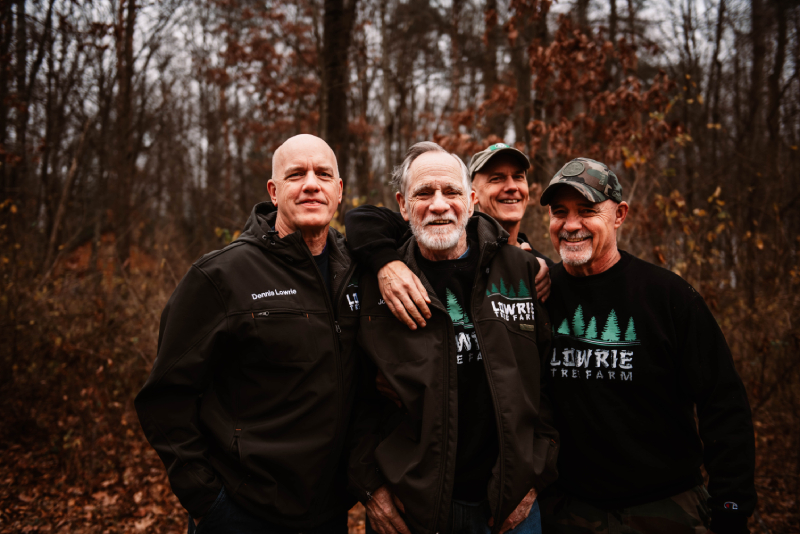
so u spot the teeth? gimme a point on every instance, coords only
(510, 201)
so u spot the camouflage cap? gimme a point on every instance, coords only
(480, 159)
(592, 179)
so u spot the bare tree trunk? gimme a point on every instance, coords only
(21, 48)
(582, 15)
(715, 83)
(612, 22)
(339, 20)
(65, 194)
(495, 122)
(631, 21)
(125, 161)
(455, 57)
(774, 81)
(6, 32)
(388, 120)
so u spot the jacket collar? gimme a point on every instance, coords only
(292, 248)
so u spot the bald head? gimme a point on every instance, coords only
(305, 187)
(299, 144)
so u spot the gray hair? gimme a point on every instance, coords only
(400, 173)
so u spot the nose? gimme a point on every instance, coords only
(310, 182)
(439, 203)
(573, 222)
(509, 185)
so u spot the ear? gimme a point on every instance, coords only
(473, 201)
(341, 189)
(273, 192)
(621, 213)
(402, 202)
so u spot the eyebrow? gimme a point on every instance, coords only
(320, 167)
(423, 187)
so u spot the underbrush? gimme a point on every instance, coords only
(78, 346)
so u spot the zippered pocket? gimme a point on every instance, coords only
(284, 336)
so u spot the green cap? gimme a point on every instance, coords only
(480, 159)
(592, 179)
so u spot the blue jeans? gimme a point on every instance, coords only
(473, 518)
(226, 517)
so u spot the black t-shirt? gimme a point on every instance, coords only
(477, 449)
(323, 264)
(635, 348)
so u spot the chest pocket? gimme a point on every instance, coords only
(285, 336)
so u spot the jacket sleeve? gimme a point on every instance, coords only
(191, 330)
(374, 234)
(545, 430)
(370, 413)
(725, 421)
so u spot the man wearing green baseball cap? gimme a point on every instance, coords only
(636, 354)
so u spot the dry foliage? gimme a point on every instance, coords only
(136, 136)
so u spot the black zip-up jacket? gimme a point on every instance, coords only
(254, 381)
(415, 451)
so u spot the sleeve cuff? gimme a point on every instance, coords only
(363, 492)
(729, 524)
(381, 257)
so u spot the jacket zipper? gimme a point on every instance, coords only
(490, 380)
(332, 316)
(446, 418)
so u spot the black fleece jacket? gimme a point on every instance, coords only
(254, 382)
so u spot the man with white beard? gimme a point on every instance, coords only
(470, 440)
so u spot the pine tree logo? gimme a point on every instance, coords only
(564, 328)
(611, 331)
(591, 331)
(455, 310)
(610, 337)
(523, 290)
(509, 291)
(577, 323)
(630, 333)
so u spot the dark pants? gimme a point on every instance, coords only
(685, 513)
(227, 517)
(473, 518)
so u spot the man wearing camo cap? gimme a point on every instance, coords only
(635, 352)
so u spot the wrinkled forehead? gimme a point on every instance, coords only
(435, 169)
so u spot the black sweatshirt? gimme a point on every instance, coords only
(477, 449)
(635, 349)
(375, 233)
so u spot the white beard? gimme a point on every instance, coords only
(575, 255)
(438, 238)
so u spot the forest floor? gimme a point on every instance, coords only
(38, 495)
(122, 488)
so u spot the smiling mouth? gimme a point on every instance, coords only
(576, 239)
(312, 202)
(440, 222)
(510, 201)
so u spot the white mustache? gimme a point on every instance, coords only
(578, 234)
(450, 217)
